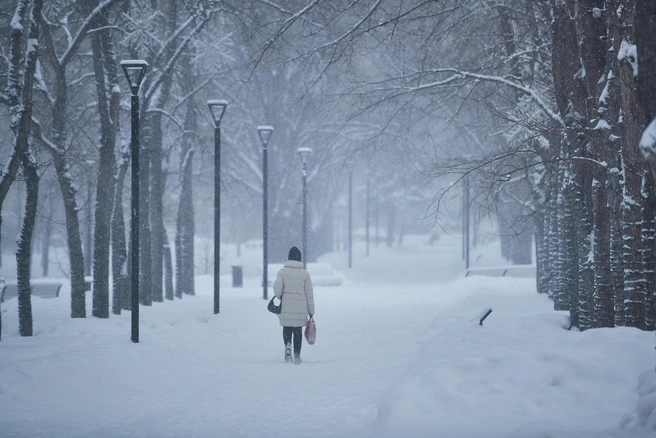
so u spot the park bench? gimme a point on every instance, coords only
(322, 274)
(517, 271)
(41, 289)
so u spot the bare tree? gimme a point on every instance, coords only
(108, 99)
(22, 67)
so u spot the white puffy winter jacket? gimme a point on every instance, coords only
(294, 285)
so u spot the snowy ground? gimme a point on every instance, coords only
(399, 353)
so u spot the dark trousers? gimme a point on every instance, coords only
(298, 337)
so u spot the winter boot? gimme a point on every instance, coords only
(297, 358)
(288, 352)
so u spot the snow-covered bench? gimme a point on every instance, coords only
(518, 271)
(322, 274)
(40, 289)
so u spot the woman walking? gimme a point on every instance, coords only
(293, 286)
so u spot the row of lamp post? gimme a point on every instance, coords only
(135, 71)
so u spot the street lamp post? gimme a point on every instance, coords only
(134, 72)
(368, 214)
(350, 219)
(350, 164)
(467, 207)
(304, 154)
(217, 108)
(265, 133)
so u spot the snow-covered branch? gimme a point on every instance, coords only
(460, 74)
(166, 69)
(37, 132)
(285, 26)
(84, 30)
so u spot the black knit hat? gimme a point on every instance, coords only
(294, 254)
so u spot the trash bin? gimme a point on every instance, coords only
(237, 276)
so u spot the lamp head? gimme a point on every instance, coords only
(349, 164)
(265, 133)
(217, 108)
(304, 154)
(134, 70)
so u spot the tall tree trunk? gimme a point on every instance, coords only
(157, 176)
(157, 211)
(633, 170)
(522, 244)
(569, 240)
(542, 250)
(604, 303)
(617, 243)
(645, 26)
(649, 253)
(57, 148)
(145, 256)
(557, 284)
(391, 224)
(184, 239)
(168, 270)
(122, 294)
(185, 222)
(76, 255)
(20, 80)
(572, 98)
(583, 219)
(24, 251)
(45, 246)
(88, 233)
(108, 98)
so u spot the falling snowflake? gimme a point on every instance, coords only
(141, 33)
(214, 51)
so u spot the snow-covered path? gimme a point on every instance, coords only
(397, 354)
(196, 374)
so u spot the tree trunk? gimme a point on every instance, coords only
(76, 255)
(185, 222)
(391, 225)
(24, 251)
(45, 246)
(184, 239)
(168, 270)
(156, 177)
(545, 200)
(522, 245)
(645, 27)
(649, 253)
(145, 255)
(57, 148)
(121, 279)
(582, 217)
(633, 170)
(604, 304)
(558, 280)
(157, 213)
(88, 233)
(570, 263)
(616, 182)
(541, 251)
(108, 98)
(20, 80)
